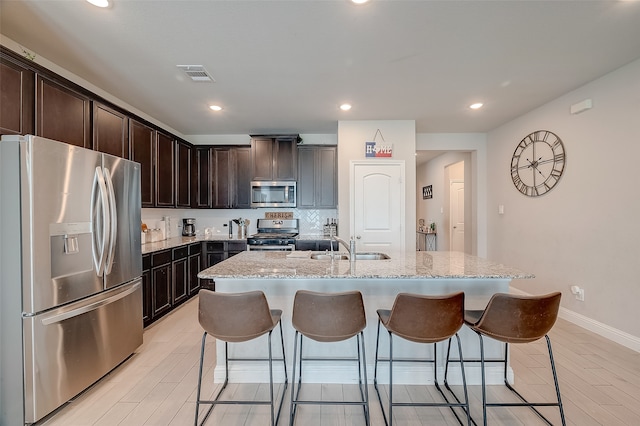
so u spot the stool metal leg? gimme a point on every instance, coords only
(387, 414)
(524, 402)
(274, 416)
(297, 365)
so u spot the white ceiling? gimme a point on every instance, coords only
(285, 66)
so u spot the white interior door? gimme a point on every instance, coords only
(456, 210)
(378, 191)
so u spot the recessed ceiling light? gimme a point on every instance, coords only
(215, 107)
(359, 1)
(477, 105)
(345, 107)
(99, 3)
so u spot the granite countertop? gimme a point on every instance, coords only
(183, 241)
(410, 265)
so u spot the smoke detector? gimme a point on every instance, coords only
(197, 73)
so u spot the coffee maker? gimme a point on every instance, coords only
(188, 227)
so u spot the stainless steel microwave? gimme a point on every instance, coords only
(273, 194)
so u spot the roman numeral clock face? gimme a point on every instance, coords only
(537, 163)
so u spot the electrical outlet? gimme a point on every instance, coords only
(578, 292)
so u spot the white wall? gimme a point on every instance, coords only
(352, 136)
(437, 209)
(475, 173)
(585, 231)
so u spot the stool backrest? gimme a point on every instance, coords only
(519, 319)
(328, 317)
(426, 319)
(234, 317)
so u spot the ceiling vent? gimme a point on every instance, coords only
(197, 73)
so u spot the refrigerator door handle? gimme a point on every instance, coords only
(59, 317)
(113, 221)
(100, 219)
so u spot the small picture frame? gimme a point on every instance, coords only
(427, 192)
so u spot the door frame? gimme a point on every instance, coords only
(402, 165)
(451, 232)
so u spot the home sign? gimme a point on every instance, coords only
(375, 149)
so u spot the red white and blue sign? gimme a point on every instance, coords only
(374, 149)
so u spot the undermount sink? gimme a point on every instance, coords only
(371, 256)
(329, 256)
(340, 256)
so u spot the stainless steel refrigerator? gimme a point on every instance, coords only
(70, 263)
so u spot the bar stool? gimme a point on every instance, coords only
(329, 317)
(238, 317)
(422, 319)
(516, 319)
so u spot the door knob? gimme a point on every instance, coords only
(358, 237)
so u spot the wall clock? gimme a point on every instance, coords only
(537, 163)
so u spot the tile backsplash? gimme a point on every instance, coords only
(311, 221)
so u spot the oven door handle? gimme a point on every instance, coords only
(288, 247)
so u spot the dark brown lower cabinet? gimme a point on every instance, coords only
(169, 278)
(160, 289)
(194, 266)
(180, 282)
(146, 289)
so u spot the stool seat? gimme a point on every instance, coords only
(515, 319)
(327, 318)
(422, 319)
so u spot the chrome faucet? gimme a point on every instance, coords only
(351, 246)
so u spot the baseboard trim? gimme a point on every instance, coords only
(625, 339)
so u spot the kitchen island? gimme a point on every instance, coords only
(281, 274)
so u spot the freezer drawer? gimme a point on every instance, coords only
(69, 348)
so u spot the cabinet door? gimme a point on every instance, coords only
(17, 94)
(161, 289)
(326, 177)
(183, 174)
(180, 281)
(241, 178)
(222, 178)
(262, 158)
(165, 176)
(306, 177)
(285, 158)
(201, 177)
(213, 258)
(317, 177)
(307, 245)
(110, 131)
(62, 114)
(147, 304)
(194, 269)
(142, 151)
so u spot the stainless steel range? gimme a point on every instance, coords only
(274, 234)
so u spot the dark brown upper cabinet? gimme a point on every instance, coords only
(165, 170)
(110, 131)
(274, 157)
(201, 177)
(231, 178)
(62, 114)
(142, 141)
(183, 174)
(17, 95)
(317, 177)
(221, 178)
(241, 158)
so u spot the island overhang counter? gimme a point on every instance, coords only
(280, 274)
